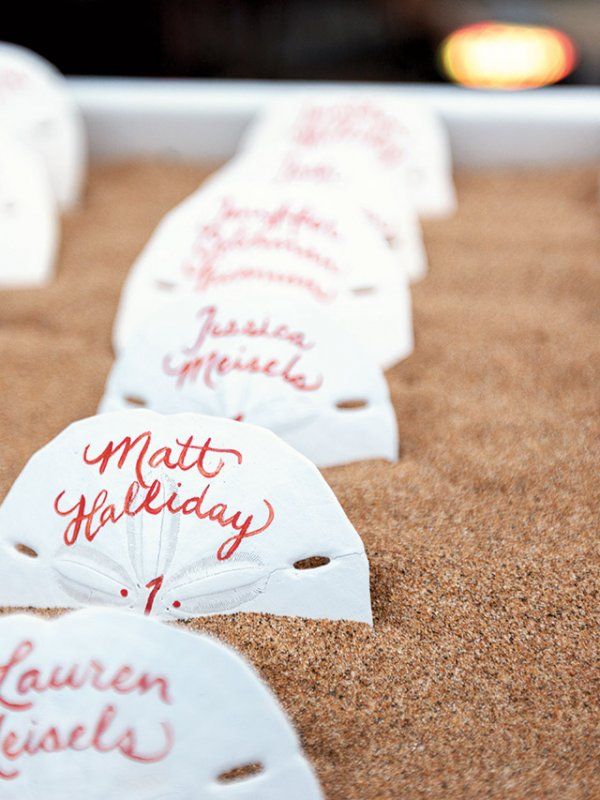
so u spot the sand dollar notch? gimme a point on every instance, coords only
(262, 359)
(29, 225)
(178, 516)
(314, 246)
(386, 204)
(403, 140)
(103, 704)
(37, 109)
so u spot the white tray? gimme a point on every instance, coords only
(204, 119)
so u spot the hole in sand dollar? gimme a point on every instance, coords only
(165, 286)
(351, 404)
(135, 400)
(25, 550)
(362, 291)
(240, 773)
(312, 562)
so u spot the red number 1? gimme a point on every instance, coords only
(155, 586)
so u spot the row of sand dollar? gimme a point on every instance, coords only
(250, 342)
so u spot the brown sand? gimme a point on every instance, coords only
(478, 679)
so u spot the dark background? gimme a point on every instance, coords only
(385, 40)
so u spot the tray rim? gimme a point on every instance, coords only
(204, 119)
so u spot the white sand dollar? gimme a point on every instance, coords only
(262, 359)
(309, 245)
(104, 704)
(29, 225)
(386, 204)
(403, 140)
(36, 108)
(178, 516)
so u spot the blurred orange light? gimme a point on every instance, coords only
(494, 55)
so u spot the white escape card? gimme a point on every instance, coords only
(386, 203)
(178, 516)
(105, 705)
(263, 359)
(302, 244)
(403, 140)
(29, 225)
(36, 108)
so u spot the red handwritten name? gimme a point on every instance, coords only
(266, 329)
(209, 275)
(255, 230)
(273, 218)
(21, 685)
(98, 736)
(150, 496)
(185, 456)
(362, 123)
(207, 251)
(122, 680)
(294, 170)
(192, 363)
